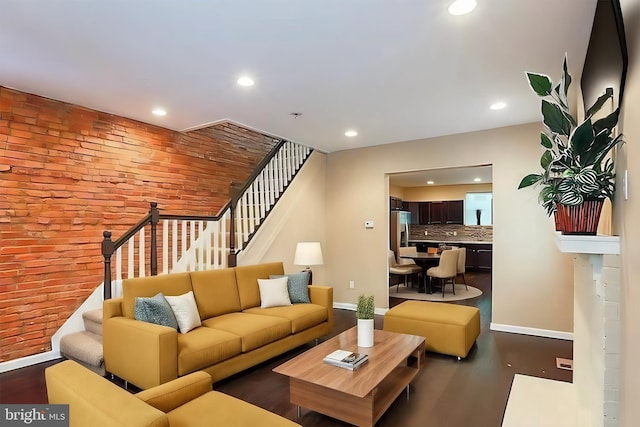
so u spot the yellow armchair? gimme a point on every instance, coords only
(186, 401)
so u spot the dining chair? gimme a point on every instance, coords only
(405, 270)
(446, 270)
(462, 260)
(404, 251)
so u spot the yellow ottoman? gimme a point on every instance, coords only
(447, 328)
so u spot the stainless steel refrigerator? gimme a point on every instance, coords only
(399, 230)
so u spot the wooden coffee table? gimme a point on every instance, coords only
(358, 397)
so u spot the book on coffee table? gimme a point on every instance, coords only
(346, 359)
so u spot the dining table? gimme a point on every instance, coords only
(424, 260)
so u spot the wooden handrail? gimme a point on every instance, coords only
(153, 217)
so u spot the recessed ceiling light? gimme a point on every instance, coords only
(245, 81)
(477, 179)
(351, 133)
(460, 7)
(430, 182)
(498, 106)
(159, 112)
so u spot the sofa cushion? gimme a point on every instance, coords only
(168, 284)
(254, 330)
(155, 310)
(204, 347)
(216, 292)
(186, 311)
(247, 279)
(302, 316)
(297, 285)
(273, 292)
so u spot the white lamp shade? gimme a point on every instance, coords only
(308, 253)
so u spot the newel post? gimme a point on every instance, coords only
(155, 218)
(107, 251)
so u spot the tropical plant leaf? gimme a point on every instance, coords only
(540, 83)
(545, 141)
(566, 185)
(586, 177)
(566, 77)
(599, 103)
(582, 137)
(554, 118)
(529, 180)
(546, 159)
(571, 198)
(608, 122)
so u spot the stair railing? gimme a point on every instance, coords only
(179, 250)
(192, 243)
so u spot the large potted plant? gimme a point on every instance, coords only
(577, 173)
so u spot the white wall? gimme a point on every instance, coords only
(627, 222)
(532, 281)
(298, 216)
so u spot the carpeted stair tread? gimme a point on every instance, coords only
(93, 321)
(83, 346)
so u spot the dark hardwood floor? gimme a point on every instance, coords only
(446, 392)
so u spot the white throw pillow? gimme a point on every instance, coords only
(186, 311)
(274, 292)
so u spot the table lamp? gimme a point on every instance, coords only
(307, 254)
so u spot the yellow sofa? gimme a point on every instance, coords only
(235, 333)
(186, 401)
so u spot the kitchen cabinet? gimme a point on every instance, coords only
(414, 208)
(479, 256)
(447, 212)
(395, 203)
(425, 217)
(454, 212)
(436, 213)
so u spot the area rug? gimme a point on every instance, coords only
(461, 293)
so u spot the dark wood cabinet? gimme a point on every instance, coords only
(436, 213)
(454, 212)
(414, 209)
(425, 213)
(395, 203)
(479, 256)
(448, 212)
(425, 216)
(485, 259)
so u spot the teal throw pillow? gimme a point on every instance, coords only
(155, 309)
(297, 285)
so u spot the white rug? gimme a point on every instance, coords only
(539, 402)
(461, 293)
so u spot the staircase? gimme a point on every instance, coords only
(188, 243)
(85, 347)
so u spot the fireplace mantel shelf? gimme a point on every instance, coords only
(604, 245)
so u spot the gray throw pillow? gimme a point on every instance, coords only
(297, 285)
(155, 309)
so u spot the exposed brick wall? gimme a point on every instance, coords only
(68, 173)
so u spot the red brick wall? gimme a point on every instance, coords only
(67, 174)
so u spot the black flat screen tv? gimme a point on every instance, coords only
(606, 61)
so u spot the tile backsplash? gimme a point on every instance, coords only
(446, 232)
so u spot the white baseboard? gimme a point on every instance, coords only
(352, 307)
(23, 362)
(523, 330)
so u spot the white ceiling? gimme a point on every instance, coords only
(445, 176)
(394, 70)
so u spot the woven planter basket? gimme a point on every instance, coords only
(582, 219)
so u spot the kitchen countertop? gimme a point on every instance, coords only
(467, 242)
